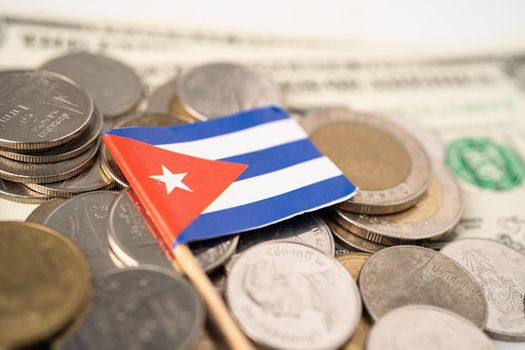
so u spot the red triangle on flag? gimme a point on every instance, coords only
(174, 188)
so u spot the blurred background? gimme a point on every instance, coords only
(445, 21)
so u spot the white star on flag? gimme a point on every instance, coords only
(172, 181)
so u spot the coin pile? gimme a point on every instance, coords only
(358, 275)
(48, 138)
(404, 197)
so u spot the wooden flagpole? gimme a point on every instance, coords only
(186, 262)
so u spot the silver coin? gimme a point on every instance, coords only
(40, 214)
(219, 89)
(91, 179)
(46, 172)
(17, 192)
(288, 295)
(115, 87)
(87, 139)
(132, 237)
(160, 99)
(129, 236)
(309, 229)
(391, 169)
(109, 165)
(146, 308)
(352, 242)
(111, 169)
(500, 271)
(40, 110)
(214, 253)
(426, 327)
(83, 219)
(405, 275)
(431, 218)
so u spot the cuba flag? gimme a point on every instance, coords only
(227, 175)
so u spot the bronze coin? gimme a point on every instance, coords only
(43, 282)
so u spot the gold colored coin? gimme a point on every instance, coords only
(388, 165)
(358, 340)
(353, 262)
(433, 216)
(44, 281)
(344, 143)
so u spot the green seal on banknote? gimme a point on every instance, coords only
(485, 163)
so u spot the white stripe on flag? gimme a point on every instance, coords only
(275, 183)
(245, 141)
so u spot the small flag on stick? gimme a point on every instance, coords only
(228, 175)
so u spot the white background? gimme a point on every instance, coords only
(445, 21)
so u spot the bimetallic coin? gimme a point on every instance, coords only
(351, 241)
(109, 165)
(147, 308)
(416, 327)
(115, 88)
(40, 110)
(91, 179)
(68, 150)
(500, 271)
(308, 228)
(219, 89)
(388, 165)
(44, 280)
(46, 172)
(17, 192)
(288, 295)
(404, 275)
(431, 218)
(132, 238)
(84, 219)
(40, 214)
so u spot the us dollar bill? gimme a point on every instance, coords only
(474, 101)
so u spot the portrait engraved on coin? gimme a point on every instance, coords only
(290, 295)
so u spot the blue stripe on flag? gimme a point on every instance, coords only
(200, 130)
(261, 213)
(275, 158)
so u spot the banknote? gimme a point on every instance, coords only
(474, 101)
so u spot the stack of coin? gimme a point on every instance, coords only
(214, 90)
(405, 195)
(48, 138)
